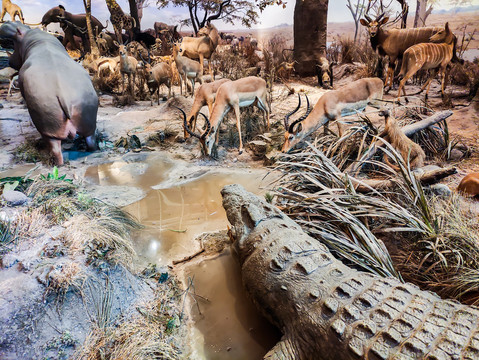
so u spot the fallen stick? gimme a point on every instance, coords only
(428, 178)
(408, 130)
(188, 258)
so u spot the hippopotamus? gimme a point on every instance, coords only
(58, 92)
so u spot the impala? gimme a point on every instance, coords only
(205, 95)
(244, 92)
(329, 107)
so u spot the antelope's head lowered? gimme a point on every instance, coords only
(294, 132)
(207, 142)
(374, 25)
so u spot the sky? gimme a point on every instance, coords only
(33, 11)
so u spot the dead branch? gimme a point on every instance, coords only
(428, 178)
(188, 258)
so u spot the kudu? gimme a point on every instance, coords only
(205, 95)
(232, 95)
(330, 106)
(433, 55)
(394, 42)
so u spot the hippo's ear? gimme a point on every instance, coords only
(61, 7)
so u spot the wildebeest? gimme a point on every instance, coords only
(58, 92)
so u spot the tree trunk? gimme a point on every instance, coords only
(93, 47)
(310, 33)
(134, 14)
(405, 11)
(420, 17)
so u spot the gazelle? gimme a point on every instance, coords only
(205, 95)
(128, 65)
(436, 55)
(244, 92)
(394, 42)
(188, 69)
(329, 106)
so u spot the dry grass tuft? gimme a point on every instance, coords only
(104, 237)
(31, 223)
(150, 334)
(64, 278)
(446, 261)
(32, 151)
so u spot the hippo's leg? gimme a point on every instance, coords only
(56, 149)
(91, 142)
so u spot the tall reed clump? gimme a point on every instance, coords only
(435, 243)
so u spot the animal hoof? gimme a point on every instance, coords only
(240, 152)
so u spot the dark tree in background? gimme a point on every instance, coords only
(229, 11)
(134, 14)
(310, 33)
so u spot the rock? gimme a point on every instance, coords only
(441, 190)
(456, 155)
(14, 198)
(1, 106)
(258, 147)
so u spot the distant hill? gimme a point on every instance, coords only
(456, 10)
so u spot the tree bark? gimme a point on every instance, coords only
(134, 13)
(310, 34)
(422, 12)
(91, 38)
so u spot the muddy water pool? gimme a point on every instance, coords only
(181, 203)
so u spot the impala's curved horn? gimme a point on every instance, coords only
(308, 111)
(380, 17)
(208, 126)
(368, 18)
(185, 124)
(286, 118)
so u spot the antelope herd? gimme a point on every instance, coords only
(163, 57)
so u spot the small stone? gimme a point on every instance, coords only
(440, 190)
(456, 155)
(1, 106)
(14, 198)
(228, 348)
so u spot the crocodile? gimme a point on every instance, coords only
(327, 310)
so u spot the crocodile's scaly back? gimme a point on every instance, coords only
(327, 310)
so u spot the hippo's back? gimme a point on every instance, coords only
(56, 88)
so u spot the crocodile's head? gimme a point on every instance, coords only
(245, 211)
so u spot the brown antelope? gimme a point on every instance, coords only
(188, 69)
(232, 95)
(394, 42)
(205, 95)
(324, 71)
(428, 56)
(331, 106)
(408, 149)
(469, 185)
(201, 47)
(128, 65)
(156, 76)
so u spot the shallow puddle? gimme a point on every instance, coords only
(138, 171)
(174, 215)
(228, 320)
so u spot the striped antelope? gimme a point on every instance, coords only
(394, 42)
(330, 106)
(243, 92)
(428, 56)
